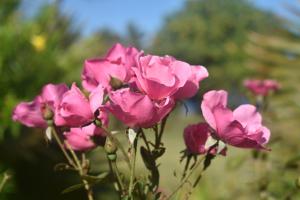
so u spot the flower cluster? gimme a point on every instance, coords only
(139, 90)
(240, 128)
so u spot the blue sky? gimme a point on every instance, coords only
(148, 15)
(116, 14)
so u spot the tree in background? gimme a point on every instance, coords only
(36, 50)
(96, 45)
(88, 47)
(278, 56)
(134, 36)
(32, 54)
(235, 40)
(214, 33)
(31, 50)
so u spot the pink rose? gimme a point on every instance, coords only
(122, 55)
(138, 110)
(76, 109)
(31, 113)
(82, 139)
(195, 137)
(261, 87)
(241, 127)
(191, 87)
(100, 71)
(161, 77)
(52, 94)
(117, 64)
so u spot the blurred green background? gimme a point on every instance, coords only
(40, 42)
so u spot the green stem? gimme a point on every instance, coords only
(157, 147)
(161, 131)
(6, 177)
(61, 146)
(109, 134)
(186, 167)
(78, 164)
(155, 128)
(186, 178)
(88, 190)
(118, 176)
(145, 140)
(132, 171)
(81, 172)
(118, 188)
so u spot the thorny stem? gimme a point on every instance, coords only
(186, 178)
(6, 177)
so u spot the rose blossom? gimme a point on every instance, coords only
(31, 113)
(122, 55)
(161, 77)
(195, 137)
(77, 110)
(116, 64)
(261, 87)
(81, 139)
(241, 127)
(198, 140)
(191, 87)
(136, 109)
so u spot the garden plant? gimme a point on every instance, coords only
(141, 91)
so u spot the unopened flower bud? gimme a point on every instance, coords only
(50, 122)
(110, 146)
(98, 123)
(115, 83)
(47, 113)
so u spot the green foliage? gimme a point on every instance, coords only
(6, 8)
(213, 33)
(278, 57)
(85, 48)
(231, 38)
(134, 36)
(31, 55)
(234, 40)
